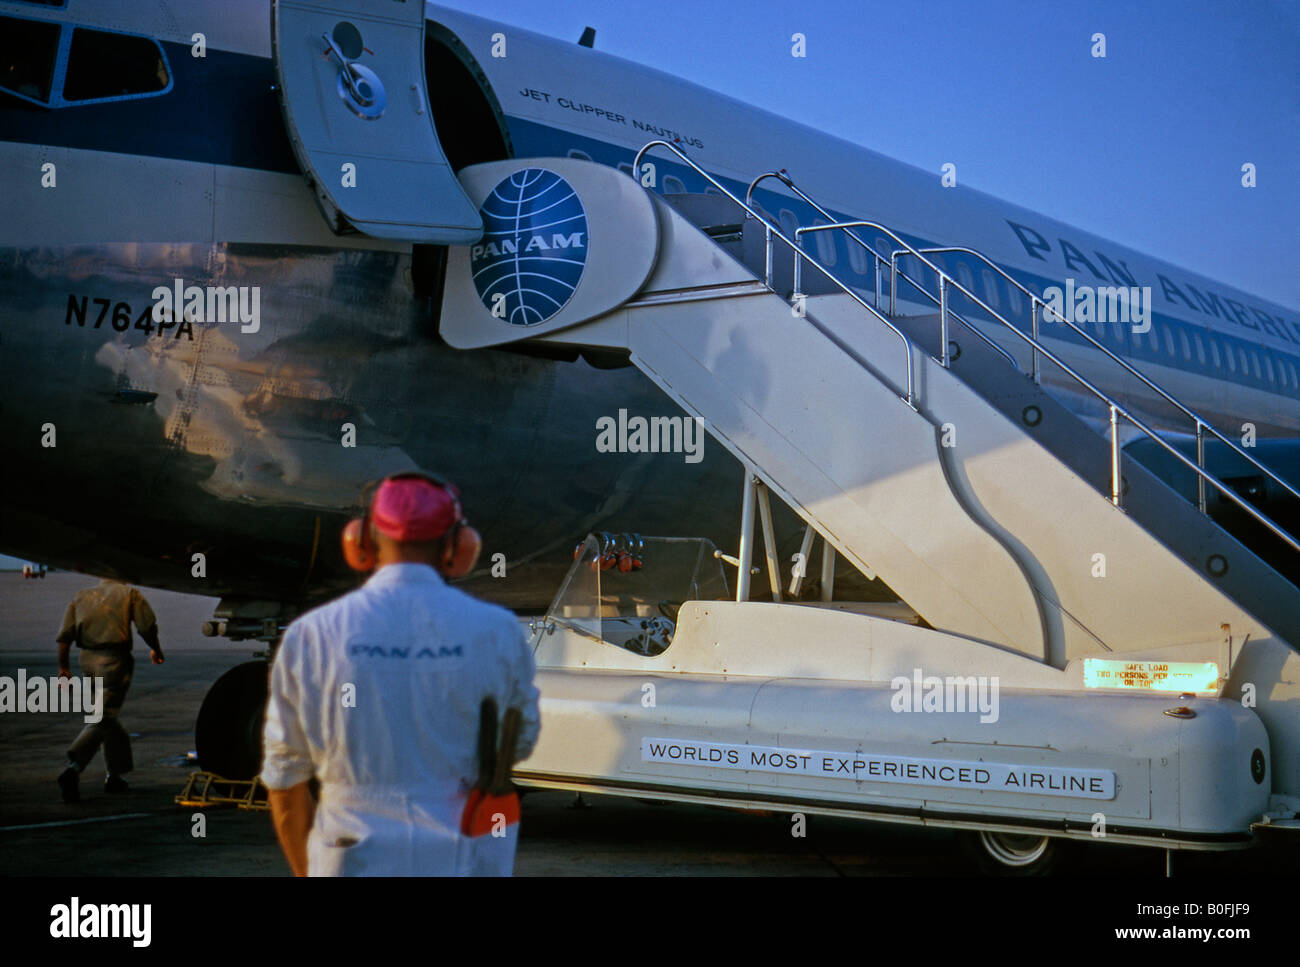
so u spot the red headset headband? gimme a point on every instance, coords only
(373, 491)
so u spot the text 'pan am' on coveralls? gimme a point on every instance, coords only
(377, 694)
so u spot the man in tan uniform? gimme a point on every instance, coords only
(99, 621)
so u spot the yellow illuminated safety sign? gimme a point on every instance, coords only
(1155, 676)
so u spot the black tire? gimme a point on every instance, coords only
(1012, 854)
(228, 733)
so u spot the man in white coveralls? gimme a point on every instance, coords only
(378, 693)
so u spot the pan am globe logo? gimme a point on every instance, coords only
(534, 247)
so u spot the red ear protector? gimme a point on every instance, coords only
(462, 543)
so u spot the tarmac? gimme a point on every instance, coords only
(144, 833)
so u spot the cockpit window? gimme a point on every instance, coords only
(63, 65)
(105, 65)
(28, 51)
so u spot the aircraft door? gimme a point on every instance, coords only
(350, 75)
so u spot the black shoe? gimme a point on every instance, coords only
(116, 784)
(68, 780)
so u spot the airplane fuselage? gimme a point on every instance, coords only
(134, 444)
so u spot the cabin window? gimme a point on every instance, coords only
(1214, 353)
(1154, 338)
(104, 65)
(1268, 370)
(580, 155)
(1200, 347)
(991, 294)
(625, 167)
(673, 185)
(1295, 381)
(788, 224)
(1187, 347)
(1229, 358)
(1121, 333)
(1245, 363)
(966, 277)
(1169, 342)
(1254, 357)
(859, 259)
(28, 51)
(825, 244)
(1014, 301)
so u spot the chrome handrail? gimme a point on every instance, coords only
(771, 231)
(1116, 409)
(784, 177)
(941, 302)
(1203, 475)
(1201, 424)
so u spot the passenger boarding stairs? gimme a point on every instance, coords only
(915, 446)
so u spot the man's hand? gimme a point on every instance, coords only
(155, 656)
(65, 671)
(65, 659)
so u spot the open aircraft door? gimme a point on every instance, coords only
(352, 88)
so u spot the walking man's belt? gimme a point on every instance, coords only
(110, 646)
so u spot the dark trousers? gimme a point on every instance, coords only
(115, 667)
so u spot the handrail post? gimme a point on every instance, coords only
(1200, 462)
(798, 269)
(1114, 455)
(1033, 349)
(943, 321)
(767, 264)
(893, 282)
(875, 260)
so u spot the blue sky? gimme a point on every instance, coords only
(1144, 147)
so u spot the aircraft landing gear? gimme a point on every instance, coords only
(1011, 854)
(228, 733)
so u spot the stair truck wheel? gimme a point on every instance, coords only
(1012, 854)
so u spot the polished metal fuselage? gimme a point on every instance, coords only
(232, 444)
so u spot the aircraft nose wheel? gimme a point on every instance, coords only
(1011, 854)
(228, 733)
